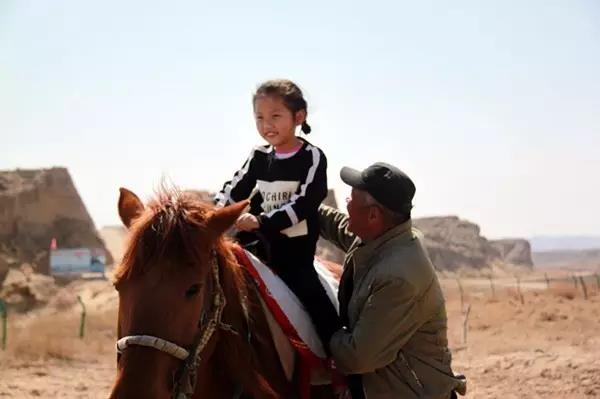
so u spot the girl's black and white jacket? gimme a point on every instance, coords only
(289, 192)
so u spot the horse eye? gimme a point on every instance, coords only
(192, 291)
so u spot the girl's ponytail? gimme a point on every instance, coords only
(306, 129)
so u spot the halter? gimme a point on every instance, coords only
(185, 386)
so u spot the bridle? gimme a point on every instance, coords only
(185, 385)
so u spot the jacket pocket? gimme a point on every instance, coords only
(409, 375)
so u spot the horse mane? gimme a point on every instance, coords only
(174, 226)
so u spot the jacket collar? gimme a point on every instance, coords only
(365, 251)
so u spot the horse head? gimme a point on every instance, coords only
(171, 296)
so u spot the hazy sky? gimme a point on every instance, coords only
(492, 107)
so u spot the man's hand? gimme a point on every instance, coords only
(247, 222)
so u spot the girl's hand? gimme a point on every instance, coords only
(247, 222)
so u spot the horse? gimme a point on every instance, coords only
(190, 322)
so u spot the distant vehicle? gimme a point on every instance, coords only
(77, 261)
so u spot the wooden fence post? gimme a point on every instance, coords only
(462, 294)
(519, 290)
(583, 287)
(82, 322)
(466, 324)
(4, 316)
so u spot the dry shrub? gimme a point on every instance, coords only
(513, 295)
(64, 300)
(564, 290)
(548, 316)
(565, 293)
(57, 336)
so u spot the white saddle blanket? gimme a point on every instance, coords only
(291, 306)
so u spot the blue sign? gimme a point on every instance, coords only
(77, 261)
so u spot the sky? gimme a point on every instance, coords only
(493, 108)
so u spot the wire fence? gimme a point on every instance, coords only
(583, 284)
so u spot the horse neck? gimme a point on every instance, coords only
(249, 354)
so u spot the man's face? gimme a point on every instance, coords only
(359, 214)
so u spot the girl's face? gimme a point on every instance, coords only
(275, 123)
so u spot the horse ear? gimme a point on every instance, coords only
(225, 217)
(130, 206)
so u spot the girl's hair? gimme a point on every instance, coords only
(289, 92)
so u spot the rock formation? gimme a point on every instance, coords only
(454, 243)
(515, 251)
(37, 206)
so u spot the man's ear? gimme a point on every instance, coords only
(374, 213)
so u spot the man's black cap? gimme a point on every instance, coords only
(390, 186)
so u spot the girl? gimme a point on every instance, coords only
(291, 181)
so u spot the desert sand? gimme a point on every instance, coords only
(547, 347)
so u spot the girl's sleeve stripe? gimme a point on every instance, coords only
(225, 195)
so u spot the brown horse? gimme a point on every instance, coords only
(190, 323)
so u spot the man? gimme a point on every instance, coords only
(394, 344)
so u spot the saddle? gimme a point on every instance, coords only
(294, 334)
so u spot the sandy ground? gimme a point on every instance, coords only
(548, 347)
